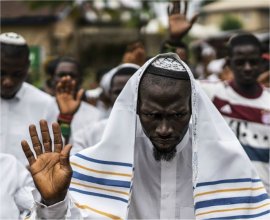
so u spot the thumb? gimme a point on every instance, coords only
(64, 156)
(79, 95)
(194, 18)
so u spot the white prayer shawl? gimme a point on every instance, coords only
(226, 186)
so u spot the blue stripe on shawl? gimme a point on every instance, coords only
(257, 154)
(98, 194)
(228, 181)
(101, 181)
(244, 216)
(103, 161)
(230, 201)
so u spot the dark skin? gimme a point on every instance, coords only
(164, 113)
(51, 170)
(118, 83)
(13, 74)
(246, 65)
(179, 25)
(66, 69)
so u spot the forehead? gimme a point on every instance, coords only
(120, 79)
(66, 67)
(177, 94)
(245, 49)
(14, 62)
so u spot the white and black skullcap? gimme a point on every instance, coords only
(168, 67)
(12, 38)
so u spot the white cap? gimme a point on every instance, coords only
(12, 38)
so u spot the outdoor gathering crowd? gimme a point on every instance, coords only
(158, 139)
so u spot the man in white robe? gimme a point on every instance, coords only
(21, 103)
(152, 162)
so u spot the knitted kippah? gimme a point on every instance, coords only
(168, 67)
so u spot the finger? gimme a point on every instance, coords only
(168, 9)
(79, 95)
(72, 87)
(185, 6)
(67, 85)
(28, 153)
(64, 156)
(59, 88)
(176, 7)
(194, 18)
(46, 138)
(35, 140)
(58, 143)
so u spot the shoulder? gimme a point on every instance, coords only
(8, 161)
(211, 88)
(86, 108)
(265, 96)
(36, 93)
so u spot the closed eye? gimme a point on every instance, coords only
(151, 115)
(179, 115)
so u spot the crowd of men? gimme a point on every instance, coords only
(157, 142)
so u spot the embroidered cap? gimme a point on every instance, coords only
(168, 67)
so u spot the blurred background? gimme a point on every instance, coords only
(97, 32)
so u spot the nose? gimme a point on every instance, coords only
(6, 82)
(164, 129)
(247, 66)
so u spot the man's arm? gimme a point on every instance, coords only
(179, 25)
(68, 101)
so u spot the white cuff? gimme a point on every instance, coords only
(55, 211)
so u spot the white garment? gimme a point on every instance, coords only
(29, 106)
(85, 115)
(151, 197)
(104, 175)
(157, 186)
(88, 136)
(15, 189)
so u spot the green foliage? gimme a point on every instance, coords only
(230, 23)
(207, 2)
(50, 4)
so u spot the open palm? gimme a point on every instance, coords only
(179, 25)
(50, 170)
(68, 102)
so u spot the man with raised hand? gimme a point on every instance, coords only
(166, 153)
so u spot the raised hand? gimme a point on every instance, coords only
(179, 25)
(50, 169)
(68, 102)
(135, 54)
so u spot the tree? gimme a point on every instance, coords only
(230, 23)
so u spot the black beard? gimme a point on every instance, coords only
(163, 155)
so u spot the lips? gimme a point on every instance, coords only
(163, 142)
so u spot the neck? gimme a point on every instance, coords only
(252, 90)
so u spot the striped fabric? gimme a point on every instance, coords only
(231, 199)
(226, 186)
(91, 183)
